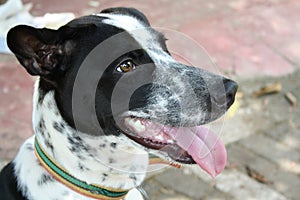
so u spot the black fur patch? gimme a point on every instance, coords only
(102, 145)
(104, 176)
(111, 160)
(59, 127)
(113, 145)
(82, 167)
(49, 145)
(77, 144)
(45, 179)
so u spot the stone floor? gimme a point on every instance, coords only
(253, 41)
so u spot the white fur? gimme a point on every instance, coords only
(141, 33)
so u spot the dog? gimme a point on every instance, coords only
(108, 99)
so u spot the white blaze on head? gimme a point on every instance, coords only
(142, 33)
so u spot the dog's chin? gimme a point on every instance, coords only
(186, 145)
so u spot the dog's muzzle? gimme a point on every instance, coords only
(167, 115)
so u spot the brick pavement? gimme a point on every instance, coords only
(246, 39)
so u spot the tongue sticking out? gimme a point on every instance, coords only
(202, 145)
(205, 147)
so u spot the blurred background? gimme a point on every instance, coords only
(255, 42)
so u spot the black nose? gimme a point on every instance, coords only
(230, 90)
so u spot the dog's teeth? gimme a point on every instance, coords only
(170, 141)
(136, 124)
(159, 137)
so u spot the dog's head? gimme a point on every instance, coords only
(112, 74)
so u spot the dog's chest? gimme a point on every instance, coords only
(36, 183)
(108, 161)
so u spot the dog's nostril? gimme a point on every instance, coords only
(230, 89)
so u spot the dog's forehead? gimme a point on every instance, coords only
(152, 41)
(139, 30)
(126, 22)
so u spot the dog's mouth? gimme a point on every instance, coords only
(187, 145)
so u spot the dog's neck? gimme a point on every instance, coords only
(109, 161)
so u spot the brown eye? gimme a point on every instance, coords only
(126, 66)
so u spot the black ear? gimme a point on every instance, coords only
(128, 11)
(40, 51)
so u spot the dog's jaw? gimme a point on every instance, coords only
(109, 161)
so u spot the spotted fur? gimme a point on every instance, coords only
(78, 153)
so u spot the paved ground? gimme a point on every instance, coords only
(249, 40)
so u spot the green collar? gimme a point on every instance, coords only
(61, 175)
(89, 190)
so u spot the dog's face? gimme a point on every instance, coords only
(112, 74)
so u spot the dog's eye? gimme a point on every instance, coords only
(126, 66)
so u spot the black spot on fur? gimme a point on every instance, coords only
(102, 145)
(42, 123)
(113, 145)
(56, 113)
(132, 176)
(45, 179)
(41, 126)
(59, 127)
(82, 167)
(49, 145)
(29, 147)
(104, 176)
(111, 160)
(77, 144)
(80, 157)
(48, 135)
(50, 105)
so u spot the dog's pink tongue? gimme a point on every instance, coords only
(205, 147)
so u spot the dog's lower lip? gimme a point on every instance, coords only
(174, 151)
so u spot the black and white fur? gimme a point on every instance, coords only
(106, 157)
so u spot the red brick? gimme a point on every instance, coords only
(236, 42)
(16, 88)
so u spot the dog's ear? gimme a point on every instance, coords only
(128, 11)
(40, 51)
